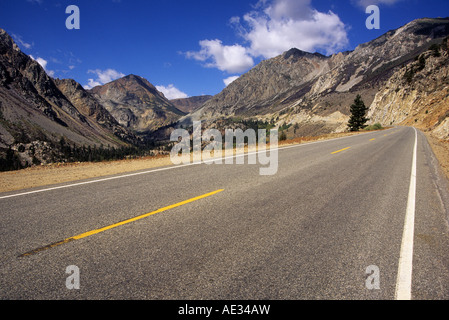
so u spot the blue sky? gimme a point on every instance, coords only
(190, 48)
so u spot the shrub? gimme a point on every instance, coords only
(283, 136)
(376, 126)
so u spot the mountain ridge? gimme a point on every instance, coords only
(136, 104)
(36, 115)
(316, 90)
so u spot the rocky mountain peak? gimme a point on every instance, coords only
(134, 81)
(430, 27)
(295, 53)
(6, 42)
(136, 103)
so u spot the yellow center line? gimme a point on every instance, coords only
(341, 150)
(372, 139)
(93, 232)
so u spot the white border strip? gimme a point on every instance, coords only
(172, 167)
(404, 278)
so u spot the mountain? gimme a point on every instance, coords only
(191, 104)
(99, 117)
(261, 90)
(35, 114)
(316, 91)
(136, 104)
(418, 94)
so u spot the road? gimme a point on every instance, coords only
(334, 212)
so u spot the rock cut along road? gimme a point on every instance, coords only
(334, 212)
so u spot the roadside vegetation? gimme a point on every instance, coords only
(376, 126)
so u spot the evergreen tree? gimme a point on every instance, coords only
(358, 115)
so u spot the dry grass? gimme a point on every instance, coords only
(318, 138)
(40, 176)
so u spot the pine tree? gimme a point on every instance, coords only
(358, 115)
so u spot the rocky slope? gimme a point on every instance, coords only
(35, 114)
(87, 105)
(316, 91)
(417, 95)
(266, 86)
(136, 104)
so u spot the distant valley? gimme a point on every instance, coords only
(402, 76)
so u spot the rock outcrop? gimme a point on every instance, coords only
(90, 108)
(417, 95)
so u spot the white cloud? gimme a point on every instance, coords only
(285, 24)
(103, 77)
(19, 40)
(229, 80)
(43, 64)
(108, 75)
(273, 27)
(232, 59)
(92, 83)
(281, 9)
(171, 92)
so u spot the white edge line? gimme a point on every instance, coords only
(404, 277)
(173, 167)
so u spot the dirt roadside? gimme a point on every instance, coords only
(441, 150)
(39, 176)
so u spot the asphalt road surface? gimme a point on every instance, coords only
(330, 224)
